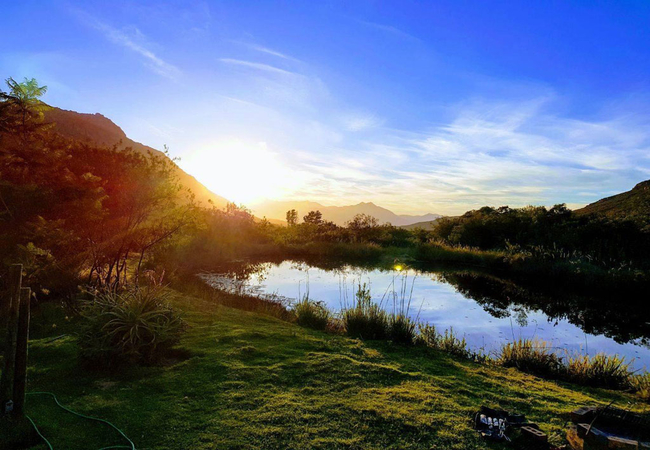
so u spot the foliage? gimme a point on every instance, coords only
(292, 217)
(312, 314)
(641, 385)
(555, 233)
(448, 342)
(135, 325)
(600, 370)
(401, 329)
(71, 208)
(532, 356)
(366, 319)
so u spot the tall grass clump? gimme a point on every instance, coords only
(601, 370)
(366, 319)
(449, 342)
(312, 314)
(134, 325)
(641, 385)
(401, 329)
(532, 356)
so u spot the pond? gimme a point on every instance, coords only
(485, 309)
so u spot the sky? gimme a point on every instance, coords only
(420, 107)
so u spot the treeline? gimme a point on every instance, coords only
(554, 233)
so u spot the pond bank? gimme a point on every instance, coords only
(253, 381)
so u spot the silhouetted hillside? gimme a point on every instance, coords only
(633, 205)
(99, 130)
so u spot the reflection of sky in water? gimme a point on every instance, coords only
(439, 304)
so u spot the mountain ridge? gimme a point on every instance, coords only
(97, 129)
(338, 214)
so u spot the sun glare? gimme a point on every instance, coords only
(242, 172)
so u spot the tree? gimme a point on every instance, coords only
(21, 111)
(313, 217)
(292, 217)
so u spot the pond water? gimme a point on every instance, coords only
(486, 310)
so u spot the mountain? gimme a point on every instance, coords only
(633, 205)
(99, 130)
(337, 214)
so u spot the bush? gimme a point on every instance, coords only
(135, 325)
(366, 319)
(600, 370)
(532, 356)
(312, 314)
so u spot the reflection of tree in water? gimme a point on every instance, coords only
(502, 298)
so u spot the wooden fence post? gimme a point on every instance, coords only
(20, 374)
(7, 381)
(14, 280)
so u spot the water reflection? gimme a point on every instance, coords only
(485, 308)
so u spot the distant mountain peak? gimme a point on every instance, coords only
(338, 214)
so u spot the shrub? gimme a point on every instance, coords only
(600, 370)
(531, 355)
(366, 319)
(312, 314)
(135, 325)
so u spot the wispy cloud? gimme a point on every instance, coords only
(128, 41)
(257, 66)
(390, 29)
(266, 50)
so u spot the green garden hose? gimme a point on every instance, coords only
(56, 400)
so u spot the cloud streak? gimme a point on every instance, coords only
(257, 66)
(121, 38)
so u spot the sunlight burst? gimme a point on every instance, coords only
(242, 172)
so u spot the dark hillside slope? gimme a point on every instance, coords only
(633, 205)
(98, 130)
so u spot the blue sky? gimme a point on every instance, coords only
(439, 106)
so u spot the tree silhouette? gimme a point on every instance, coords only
(313, 217)
(292, 217)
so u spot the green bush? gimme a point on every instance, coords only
(366, 319)
(135, 325)
(312, 314)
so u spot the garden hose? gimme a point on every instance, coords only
(56, 400)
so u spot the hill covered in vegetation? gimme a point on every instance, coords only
(631, 205)
(98, 130)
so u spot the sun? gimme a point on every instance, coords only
(240, 171)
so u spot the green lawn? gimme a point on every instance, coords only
(252, 381)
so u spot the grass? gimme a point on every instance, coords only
(366, 319)
(252, 381)
(531, 355)
(312, 314)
